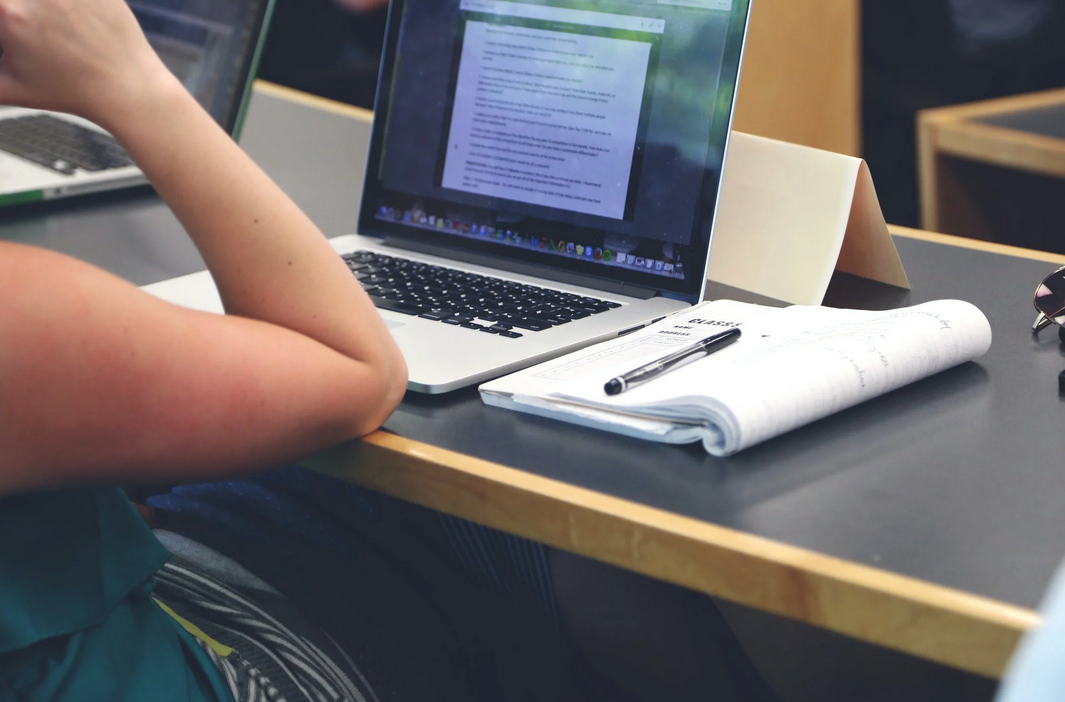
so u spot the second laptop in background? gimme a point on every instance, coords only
(211, 46)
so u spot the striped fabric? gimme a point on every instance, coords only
(510, 563)
(300, 507)
(269, 661)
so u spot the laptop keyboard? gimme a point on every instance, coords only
(60, 145)
(458, 298)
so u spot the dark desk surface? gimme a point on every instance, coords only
(956, 480)
(955, 483)
(1046, 121)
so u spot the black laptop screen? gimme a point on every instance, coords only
(210, 45)
(585, 135)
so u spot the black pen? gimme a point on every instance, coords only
(674, 360)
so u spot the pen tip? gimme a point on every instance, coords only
(613, 387)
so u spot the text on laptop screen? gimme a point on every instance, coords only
(587, 135)
(205, 43)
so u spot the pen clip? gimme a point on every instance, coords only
(671, 361)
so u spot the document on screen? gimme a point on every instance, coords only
(547, 117)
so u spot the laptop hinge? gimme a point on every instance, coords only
(608, 286)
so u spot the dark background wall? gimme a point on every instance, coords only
(317, 47)
(915, 55)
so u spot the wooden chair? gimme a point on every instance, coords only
(801, 79)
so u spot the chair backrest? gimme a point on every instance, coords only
(801, 78)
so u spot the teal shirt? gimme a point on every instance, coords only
(77, 621)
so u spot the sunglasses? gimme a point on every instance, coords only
(1049, 301)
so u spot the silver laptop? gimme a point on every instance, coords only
(541, 176)
(211, 45)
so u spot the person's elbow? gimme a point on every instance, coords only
(396, 386)
(387, 386)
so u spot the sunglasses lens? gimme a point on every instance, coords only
(1050, 296)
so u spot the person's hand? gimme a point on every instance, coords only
(87, 57)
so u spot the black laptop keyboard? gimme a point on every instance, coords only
(60, 145)
(455, 297)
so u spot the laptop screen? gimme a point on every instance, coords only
(582, 135)
(210, 45)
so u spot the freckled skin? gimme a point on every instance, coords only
(103, 382)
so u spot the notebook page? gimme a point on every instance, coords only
(533, 390)
(796, 365)
(608, 358)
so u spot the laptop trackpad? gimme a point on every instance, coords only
(391, 324)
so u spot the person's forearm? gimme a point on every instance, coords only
(104, 382)
(268, 259)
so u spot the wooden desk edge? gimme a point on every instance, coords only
(319, 103)
(947, 626)
(977, 245)
(996, 106)
(996, 145)
(950, 627)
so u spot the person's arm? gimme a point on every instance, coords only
(100, 381)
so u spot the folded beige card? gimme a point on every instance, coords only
(790, 215)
